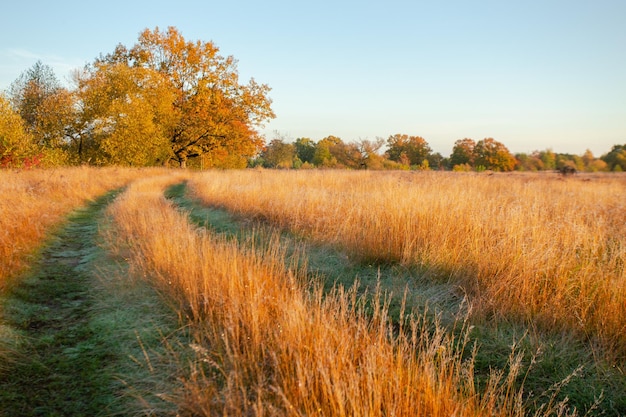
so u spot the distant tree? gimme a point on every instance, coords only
(588, 158)
(278, 154)
(493, 155)
(567, 169)
(579, 163)
(305, 149)
(30, 90)
(616, 158)
(548, 158)
(324, 156)
(462, 153)
(411, 149)
(566, 160)
(436, 161)
(47, 108)
(424, 166)
(592, 164)
(597, 165)
(348, 155)
(16, 143)
(369, 152)
(526, 162)
(462, 168)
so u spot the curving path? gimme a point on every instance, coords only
(79, 353)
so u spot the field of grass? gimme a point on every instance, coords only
(267, 346)
(34, 201)
(532, 248)
(342, 293)
(76, 327)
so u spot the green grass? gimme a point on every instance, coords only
(548, 358)
(84, 335)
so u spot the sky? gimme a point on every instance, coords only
(534, 75)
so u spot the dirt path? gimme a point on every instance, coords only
(79, 342)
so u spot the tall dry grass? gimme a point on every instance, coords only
(266, 346)
(33, 201)
(530, 247)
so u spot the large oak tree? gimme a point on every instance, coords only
(192, 95)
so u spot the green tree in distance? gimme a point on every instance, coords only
(548, 158)
(278, 154)
(491, 154)
(616, 158)
(324, 156)
(47, 108)
(305, 149)
(528, 162)
(463, 153)
(408, 150)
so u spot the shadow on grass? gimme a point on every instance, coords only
(549, 357)
(81, 329)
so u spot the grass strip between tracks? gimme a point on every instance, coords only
(85, 340)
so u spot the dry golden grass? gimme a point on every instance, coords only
(32, 202)
(266, 346)
(537, 248)
(35, 200)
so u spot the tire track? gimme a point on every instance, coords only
(77, 344)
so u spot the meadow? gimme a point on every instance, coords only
(531, 266)
(35, 201)
(535, 248)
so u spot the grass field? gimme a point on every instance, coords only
(365, 293)
(34, 201)
(533, 248)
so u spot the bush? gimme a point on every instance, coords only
(462, 168)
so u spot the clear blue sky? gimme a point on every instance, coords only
(532, 74)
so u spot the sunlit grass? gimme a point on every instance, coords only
(267, 345)
(77, 337)
(533, 248)
(34, 200)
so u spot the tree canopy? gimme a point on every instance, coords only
(616, 158)
(46, 108)
(463, 152)
(125, 115)
(408, 150)
(16, 144)
(491, 154)
(184, 93)
(166, 100)
(278, 154)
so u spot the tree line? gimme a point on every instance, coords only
(160, 102)
(401, 151)
(169, 101)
